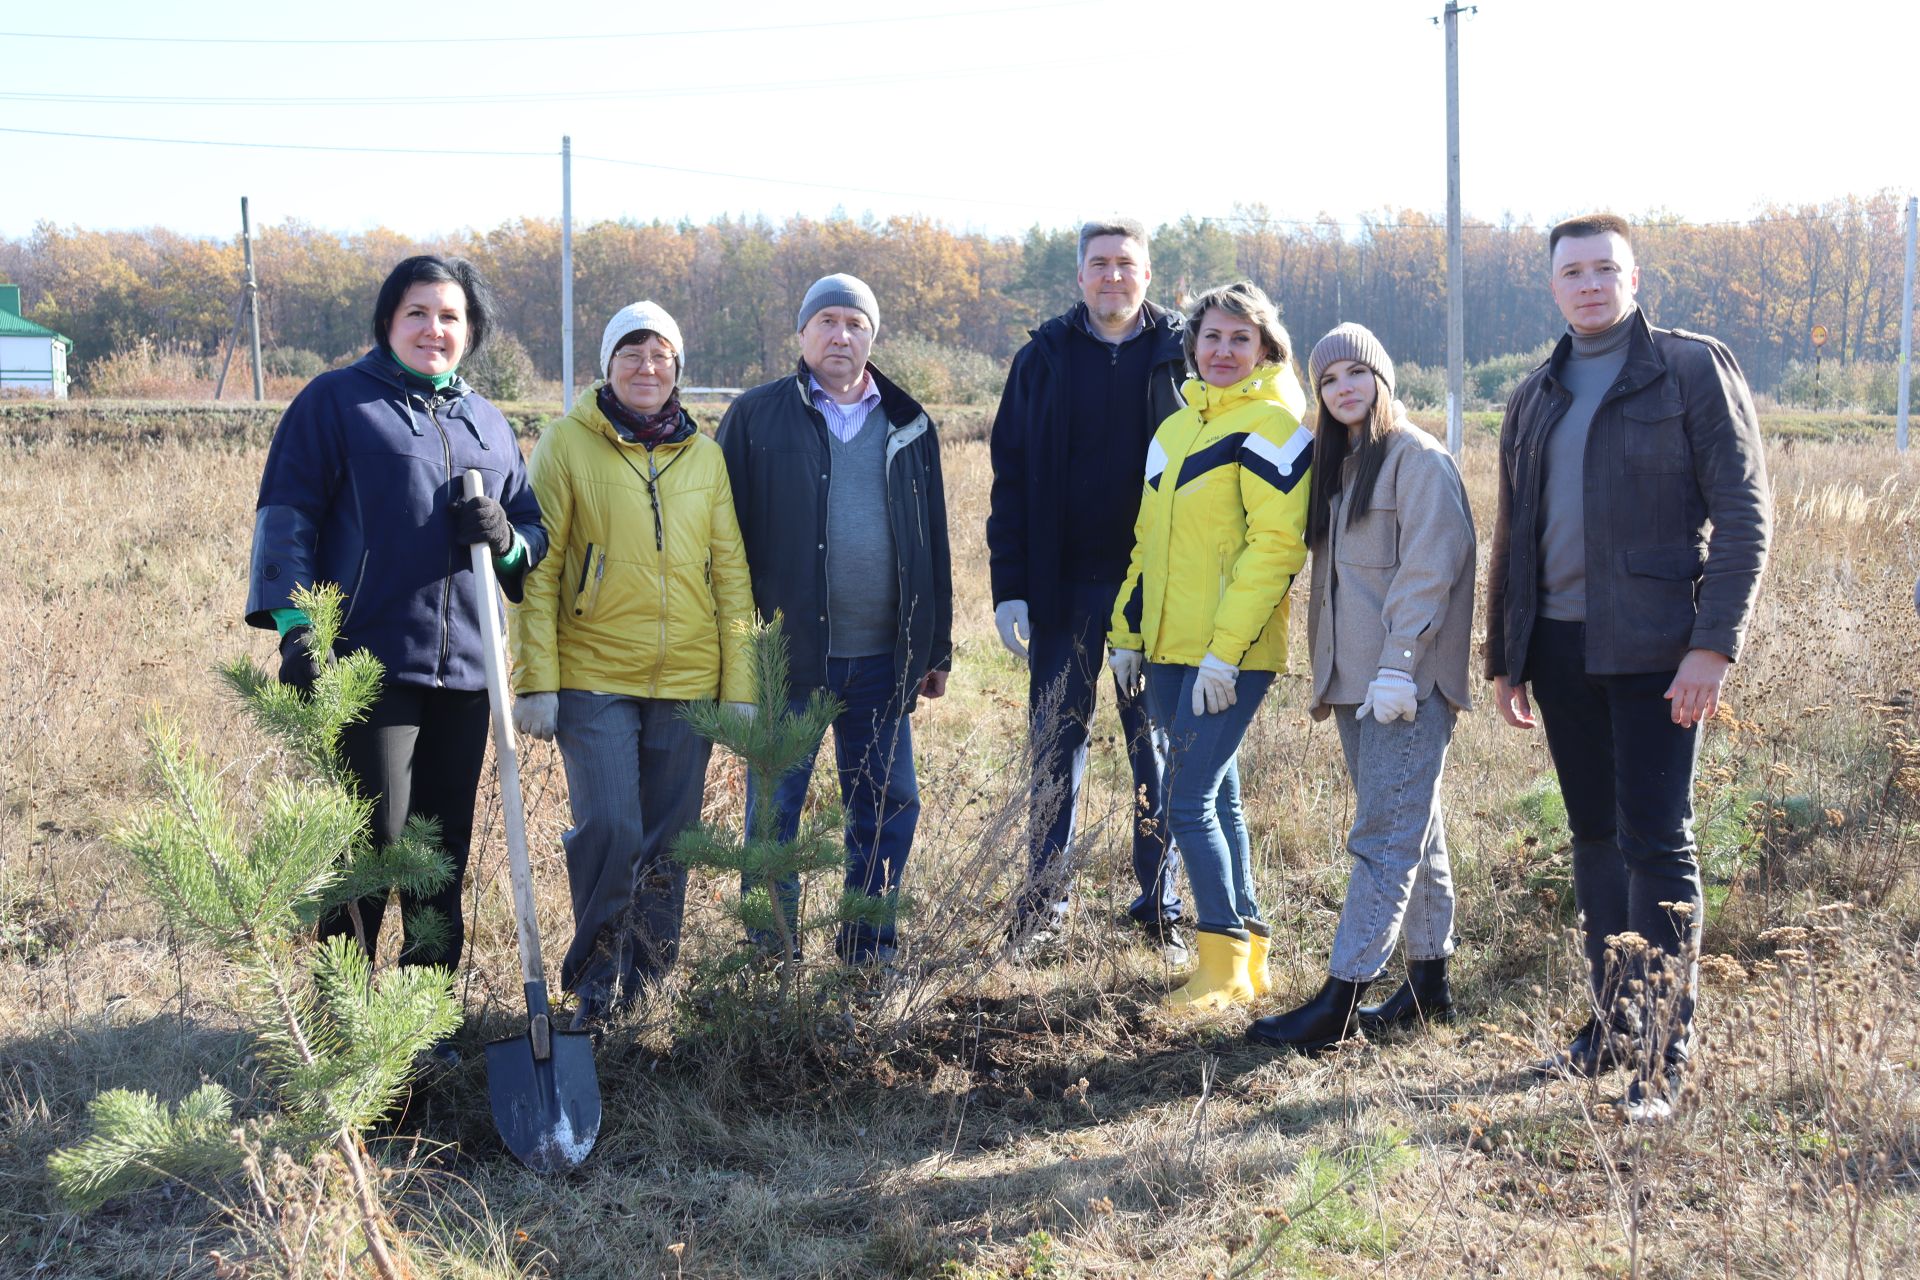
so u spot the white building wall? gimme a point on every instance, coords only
(33, 364)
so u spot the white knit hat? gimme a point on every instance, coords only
(632, 319)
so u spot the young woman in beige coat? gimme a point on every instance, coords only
(1388, 625)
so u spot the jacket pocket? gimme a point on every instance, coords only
(1370, 542)
(1655, 439)
(587, 588)
(1669, 564)
(353, 592)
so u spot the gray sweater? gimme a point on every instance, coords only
(1395, 588)
(1593, 364)
(863, 597)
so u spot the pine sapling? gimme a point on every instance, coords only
(773, 741)
(247, 876)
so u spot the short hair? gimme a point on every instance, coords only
(428, 268)
(1589, 224)
(1249, 302)
(1132, 228)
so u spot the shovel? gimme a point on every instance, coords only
(546, 1097)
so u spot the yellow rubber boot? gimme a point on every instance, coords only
(1221, 977)
(1260, 941)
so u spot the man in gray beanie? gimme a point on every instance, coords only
(836, 481)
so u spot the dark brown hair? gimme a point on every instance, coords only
(1589, 224)
(1333, 444)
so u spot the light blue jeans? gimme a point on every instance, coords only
(1400, 881)
(1203, 790)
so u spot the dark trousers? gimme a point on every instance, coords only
(636, 773)
(1065, 665)
(1626, 774)
(419, 751)
(879, 795)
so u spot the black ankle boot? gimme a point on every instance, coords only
(1320, 1023)
(1424, 997)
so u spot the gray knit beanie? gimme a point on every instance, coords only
(1350, 342)
(841, 290)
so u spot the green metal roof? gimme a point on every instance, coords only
(14, 325)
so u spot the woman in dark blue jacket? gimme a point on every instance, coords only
(363, 488)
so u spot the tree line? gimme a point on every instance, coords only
(735, 284)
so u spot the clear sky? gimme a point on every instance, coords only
(983, 114)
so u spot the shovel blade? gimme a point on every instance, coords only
(548, 1113)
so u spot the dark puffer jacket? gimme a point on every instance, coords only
(780, 464)
(358, 479)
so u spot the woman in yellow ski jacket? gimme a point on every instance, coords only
(1202, 615)
(633, 614)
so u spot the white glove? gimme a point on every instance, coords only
(1392, 696)
(1213, 687)
(1129, 668)
(745, 710)
(536, 714)
(1010, 616)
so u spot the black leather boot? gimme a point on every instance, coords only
(1592, 1052)
(1320, 1023)
(1424, 997)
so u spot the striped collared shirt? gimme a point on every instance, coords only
(844, 419)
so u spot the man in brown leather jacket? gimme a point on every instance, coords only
(1632, 528)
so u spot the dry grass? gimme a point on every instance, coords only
(981, 1120)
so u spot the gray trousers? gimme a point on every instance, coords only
(635, 775)
(1400, 878)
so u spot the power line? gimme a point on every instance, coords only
(916, 76)
(802, 182)
(440, 40)
(1242, 220)
(274, 146)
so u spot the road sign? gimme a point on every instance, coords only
(1819, 335)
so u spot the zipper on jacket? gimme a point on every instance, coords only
(587, 574)
(353, 597)
(660, 564)
(446, 583)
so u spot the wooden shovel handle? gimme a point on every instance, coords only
(487, 595)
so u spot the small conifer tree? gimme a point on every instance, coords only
(248, 877)
(772, 742)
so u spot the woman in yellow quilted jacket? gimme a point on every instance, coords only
(1202, 615)
(632, 614)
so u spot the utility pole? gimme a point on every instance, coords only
(1456, 257)
(1906, 330)
(249, 311)
(566, 273)
(253, 303)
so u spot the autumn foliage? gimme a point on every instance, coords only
(1760, 284)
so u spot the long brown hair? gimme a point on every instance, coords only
(1333, 443)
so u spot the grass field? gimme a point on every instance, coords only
(967, 1117)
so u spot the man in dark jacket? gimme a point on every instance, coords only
(1632, 529)
(836, 481)
(1069, 445)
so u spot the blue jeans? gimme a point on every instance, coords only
(1401, 878)
(636, 773)
(1065, 665)
(1203, 790)
(1626, 774)
(873, 751)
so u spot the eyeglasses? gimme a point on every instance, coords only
(630, 359)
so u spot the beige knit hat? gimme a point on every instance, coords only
(649, 316)
(1350, 342)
